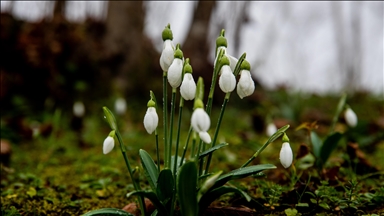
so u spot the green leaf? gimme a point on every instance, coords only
(154, 199)
(316, 144)
(107, 211)
(165, 185)
(150, 169)
(291, 212)
(186, 189)
(212, 195)
(242, 173)
(329, 145)
(110, 118)
(214, 148)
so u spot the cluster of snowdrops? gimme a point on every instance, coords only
(184, 184)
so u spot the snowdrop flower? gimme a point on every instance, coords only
(109, 143)
(120, 106)
(166, 57)
(227, 80)
(201, 122)
(286, 155)
(271, 129)
(350, 117)
(188, 86)
(245, 86)
(175, 71)
(78, 109)
(151, 119)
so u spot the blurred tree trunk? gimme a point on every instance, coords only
(58, 10)
(196, 46)
(128, 51)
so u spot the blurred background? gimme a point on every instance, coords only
(55, 53)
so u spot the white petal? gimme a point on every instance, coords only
(286, 155)
(205, 137)
(151, 120)
(175, 72)
(120, 106)
(232, 62)
(246, 86)
(78, 109)
(350, 117)
(167, 55)
(271, 129)
(200, 120)
(227, 80)
(188, 87)
(108, 144)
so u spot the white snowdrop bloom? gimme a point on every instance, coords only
(227, 80)
(175, 72)
(78, 109)
(120, 106)
(232, 62)
(167, 57)
(108, 144)
(271, 129)
(350, 117)
(286, 155)
(205, 137)
(246, 86)
(188, 87)
(151, 120)
(201, 122)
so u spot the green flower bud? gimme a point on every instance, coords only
(221, 40)
(151, 103)
(110, 118)
(198, 103)
(285, 138)
(245, 65)
(224, 60)
(167, 33)
(178, 53)
(187, 67)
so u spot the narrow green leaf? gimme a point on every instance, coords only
(153, 198)
(107, 211)
(242, 173)
(212, 195)
(150, 169)
(330, 144)
(186, 189)
(165, 185)
(214, 148)
(110, 118)
(316, 144)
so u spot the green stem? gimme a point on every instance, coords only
(178, 135)
(226, 99)
(157, 150)
(185, 147)
(193, 155)
(165, 119)
(171, 124)
(276, 135)
(135, 185)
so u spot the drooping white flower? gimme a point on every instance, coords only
(232, 60)
(167, 57)
(120, 106)
(245, 86)
(78, 109)
(201, 122)
(271, 129)
(188, 87)
(350, 117)
(108, 144)
(227, 80)
(151, 120)
(286, 155)
(175, 72)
